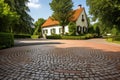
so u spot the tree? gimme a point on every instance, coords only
(72, 28)
(7, 17)
(114, 31)
(23, 25)
(38, 25)
(96, 29)
(62, 11)
(106, 11)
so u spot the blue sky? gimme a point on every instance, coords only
(41, 8)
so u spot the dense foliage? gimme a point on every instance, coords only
(84, 36)
(55, 36)
(62, 11)
(72, 28)
(6, 40)
(106, 11)
(7, 17)
(14, 16)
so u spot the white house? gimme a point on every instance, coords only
(79, 17)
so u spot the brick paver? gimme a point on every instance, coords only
(67, 60)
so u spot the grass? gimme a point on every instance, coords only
(118, 42)
(35, 36)
(111, 40)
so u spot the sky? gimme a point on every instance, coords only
(41, 8)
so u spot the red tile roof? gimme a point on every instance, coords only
(76, 14)
(50, 22)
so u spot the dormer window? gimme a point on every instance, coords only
(83, 18)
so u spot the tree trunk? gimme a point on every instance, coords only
(63, 28)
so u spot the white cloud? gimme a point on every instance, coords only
(34, 4)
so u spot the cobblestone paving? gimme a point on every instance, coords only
(53, 63)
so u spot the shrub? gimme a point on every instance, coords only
(109, 39)
(116, 38)
(114, 31)
(72, 28)
(35, 36)
(81, 37)
(6, 40)
(55, 36)
(22, 36)
(66, 34)
(85, 36)
(74, 37)
(88, 36)
(71, 37)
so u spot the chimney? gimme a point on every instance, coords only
(79, 6)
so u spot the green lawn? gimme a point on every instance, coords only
(118, 42)
(110, 40)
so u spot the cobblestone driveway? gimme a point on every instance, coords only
(68, 60)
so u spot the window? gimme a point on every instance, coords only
(53, 31)
(79, 28)
(82, 18)
(60, 30)
(84, 28)
(45, 31)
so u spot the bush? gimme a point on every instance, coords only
(55, 36)
(6, 40)
(86, 36)
(109, 39)
(35, 36)
(114, 31)
(22, 36)
(72, 28)
(73, 37)
(116, 38)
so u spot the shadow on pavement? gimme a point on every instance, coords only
(19, 43)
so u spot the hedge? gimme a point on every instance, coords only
(71, 37)
(22, 36)
(116, 38)
(6, 40)
(75, 37)
(85, 36)
(54, 37)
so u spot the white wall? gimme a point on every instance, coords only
(81, 23)
(66, 29)
(56, 29)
